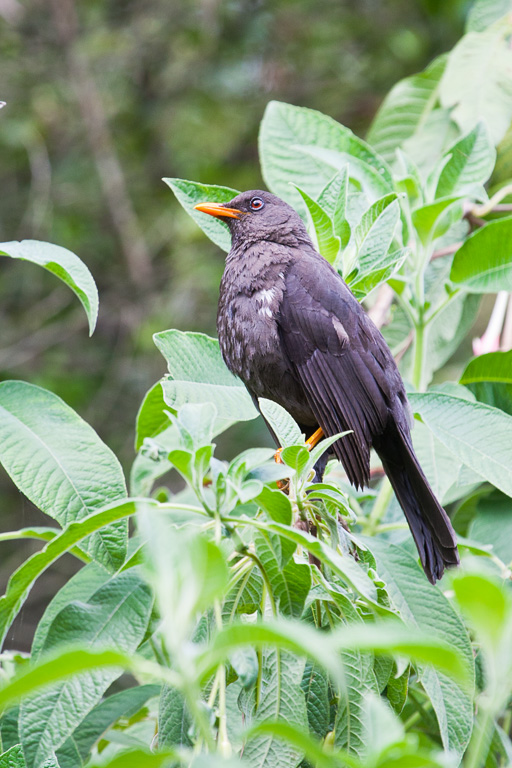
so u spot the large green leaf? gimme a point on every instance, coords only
(493, 525)
(190, 193)
(477, 434)
(22, 579)
(291, 582)
(477, 81)
(174, 721)
(13, 758)
(359, 681)
(281, 699)
(424, 606)
(489, 377)
(198, 374)
(494, 366)
(62, 263)
(383, 637)
(405, 109)
(116, 616)
(123, 704)
(469, 164)
(483, 13)
(82, 586)
(287, 131)
(483, 264)
(60, 463)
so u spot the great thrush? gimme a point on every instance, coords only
(293, 332)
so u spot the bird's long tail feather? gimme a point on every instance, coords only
(430, 525)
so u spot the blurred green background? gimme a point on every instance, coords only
(103, 99)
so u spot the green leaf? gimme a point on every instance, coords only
(287, 131)
(143, 758)
(483, 264)
(303, 743)
(477, 434)
(74, 661)
(244, 597)
(380, 270)
(281, 699)
(477, 83)
(493, 525)
(383, 637)
(276, 504)
(483, 13)
(405, 109)
(199, 375)
(281, 423)
(65, 265)
(382, 729)
(469, 164)
(328, 242)
(174, 721)
(13, 758)
(495, 366)
(423, 606)
(41, 533)
(397, 689)
(487, 606)
(343, 565)
(43, 445)
(333, 199)
(489, 377)
(188, 573)
(123, 704)
(151, 418)
(290, 584)
(434, 220)
(82, 586)
(374, 234)
(190, 193)
(23, 578)
(427, 145)
(116, 616)
(359, 681)
(315, 685)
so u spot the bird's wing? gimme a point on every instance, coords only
(344, 365)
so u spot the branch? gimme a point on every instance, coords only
(102, 146)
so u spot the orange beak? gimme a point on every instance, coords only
(218, 210)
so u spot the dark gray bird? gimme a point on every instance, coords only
(290, 328)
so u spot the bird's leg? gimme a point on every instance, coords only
(314, 439)
(310, 444)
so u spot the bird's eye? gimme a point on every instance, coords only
(256, 204)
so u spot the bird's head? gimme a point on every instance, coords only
(257, 215)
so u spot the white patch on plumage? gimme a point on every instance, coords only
(264, 299)
(340, 331)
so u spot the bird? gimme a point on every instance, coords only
(290, 328)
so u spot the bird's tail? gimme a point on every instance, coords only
(430, 525)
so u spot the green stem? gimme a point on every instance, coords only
(379, 508)
(480, 741)
(419, 354)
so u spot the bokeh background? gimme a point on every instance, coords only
(103, 99)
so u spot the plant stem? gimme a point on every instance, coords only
(480, 741)
(419, 353)
(379, 508)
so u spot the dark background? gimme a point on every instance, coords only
(106, 98)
